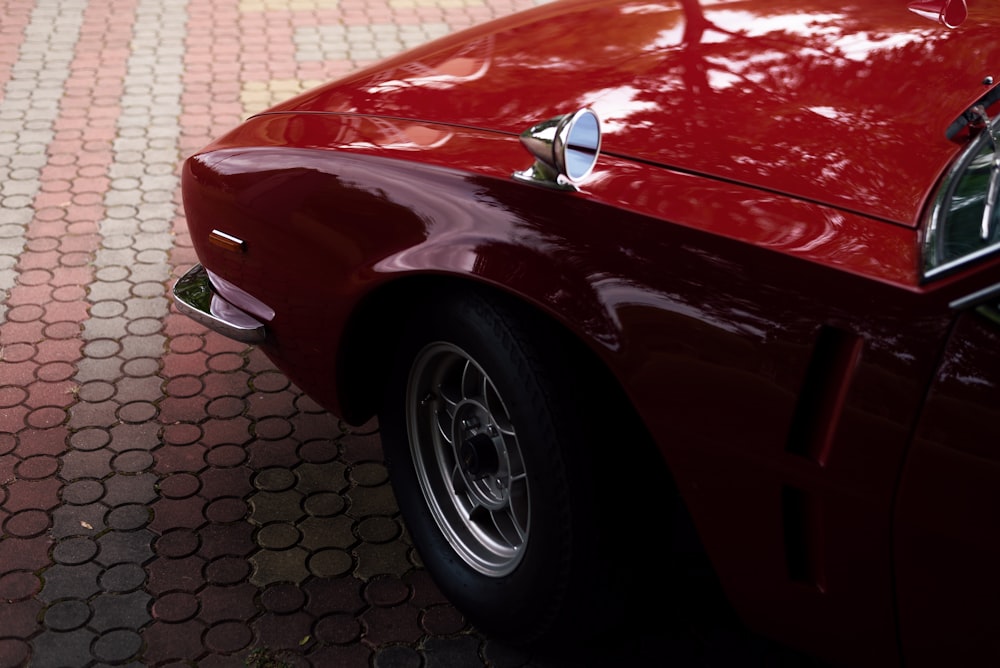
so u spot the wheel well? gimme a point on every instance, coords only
(374, 329)
(373, 332)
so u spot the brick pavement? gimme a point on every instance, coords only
(166, 496)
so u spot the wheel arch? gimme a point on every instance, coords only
(363, 359)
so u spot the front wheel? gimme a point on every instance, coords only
(489, 456)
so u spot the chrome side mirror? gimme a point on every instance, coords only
(565, 150)
(949, 13)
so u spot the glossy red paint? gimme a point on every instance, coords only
(778, 95)
(744, 260)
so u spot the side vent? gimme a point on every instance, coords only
(824, 392)
(803, 521)
(811, 436)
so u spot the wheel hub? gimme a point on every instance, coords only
(479, 456)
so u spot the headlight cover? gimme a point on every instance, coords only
(964, 222)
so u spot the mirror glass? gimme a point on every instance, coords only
(583, 140)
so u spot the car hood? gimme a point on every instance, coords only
(846, 104)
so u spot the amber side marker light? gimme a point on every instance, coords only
(227, 242)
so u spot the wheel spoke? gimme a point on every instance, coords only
(458, 484)
(473, 381)
(508, 528)
(497, 410)
(445, 423)
(515, 463)
(450, 381)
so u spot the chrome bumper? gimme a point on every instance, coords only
(196, 298)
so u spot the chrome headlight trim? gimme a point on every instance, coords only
(935, 262)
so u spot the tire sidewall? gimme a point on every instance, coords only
(525, 603)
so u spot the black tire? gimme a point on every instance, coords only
(524, 565)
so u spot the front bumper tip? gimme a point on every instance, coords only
(196, 298)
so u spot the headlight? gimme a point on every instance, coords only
(964, 223)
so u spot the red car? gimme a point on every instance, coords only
(757, 239)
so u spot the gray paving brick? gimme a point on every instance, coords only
(92, 369)
(128, 547)
(103, 328)
(57, 650)
(70, 582)
(143, 346)
(119, 611)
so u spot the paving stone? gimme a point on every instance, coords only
(324, 504)
(18, 619)
(278, 536)
(82, 520)
(178, 513)
(379, 529)
(225, 510)
(271, 567)
(398, 657)
(51, 649)
(228, 637)
(371, 501)
(451, 652)
(330, 563)
(175, 607)
(183, 574)
(176, 544)
(24, 554)
(139, 488)
(75, 581)
(82, 492)
(388, 559)
(283, 598)
(219, 603)
(391, 625)
(279, 632)
(179, 485)
(169, 642)
(122, 578)
(124, 547)
(18, 585)
(234, 539)
(118, 611)
(386, 591)
(117, 645)
(133, 461)
(425, 592)
(226, 456)
(269, 507)
(231, 481)
(442, 620)
(67, 615)
(74, 551)
(85, 464)
(35, 495)
(325, 532)
(314, 478)
(227, 570)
